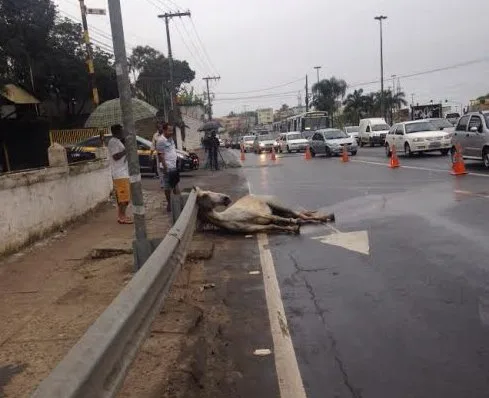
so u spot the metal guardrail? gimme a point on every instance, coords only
(98, 363)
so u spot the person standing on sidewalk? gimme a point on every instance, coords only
(167, 155)
(156, 136)
(120, 172)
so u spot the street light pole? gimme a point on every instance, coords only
(142, 246)
(380, 18)
(317, 71)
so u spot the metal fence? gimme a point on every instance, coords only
(97, 365)
(67, 137)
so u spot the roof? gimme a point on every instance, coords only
(18, 95)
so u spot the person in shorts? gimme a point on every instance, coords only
(120, 172)
(167, 155)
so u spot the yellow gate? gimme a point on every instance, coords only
(67, 137)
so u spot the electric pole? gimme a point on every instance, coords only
(91, 69)
(142, 246)
(307, 95)
(171, 116)
(209, 104)
(380, 18)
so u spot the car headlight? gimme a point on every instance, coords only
(418, 139)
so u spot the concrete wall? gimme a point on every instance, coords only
(36, 202)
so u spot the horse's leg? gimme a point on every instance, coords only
(280, 220)
(270, 228)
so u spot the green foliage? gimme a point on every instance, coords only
(188, 97)
(327, 93)
(151, 72)
(47, 55)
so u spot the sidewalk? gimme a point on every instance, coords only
(52, 292)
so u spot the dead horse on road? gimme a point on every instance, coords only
(253, 213)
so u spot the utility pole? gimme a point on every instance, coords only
(209, 104)
(91, 69)
(167, 17)
(141, 245)
(307, 95)
(380, 18)
(317, 71)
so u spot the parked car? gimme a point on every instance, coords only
(292, 141)
(416, 137)
(353, 131)
(85, 150)
(264, 143)
(441, 124)
(187, 160)
(472, 133)
(247, 142)
(373, 131)
(331, 142)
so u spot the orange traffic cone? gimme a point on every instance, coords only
(272, 156)
(243, 157)
(308, 155)
(344, 156)
(458, 165)
(394, 162)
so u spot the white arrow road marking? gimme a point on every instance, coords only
(356, 241)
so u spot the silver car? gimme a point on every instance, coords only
(472, 133)
(331, 142)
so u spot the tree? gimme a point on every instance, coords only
(24, 32)
(284, 108)
(188, 97)
(355, 106)
(327, 93)
(152, 75)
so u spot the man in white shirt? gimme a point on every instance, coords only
(120, 172)
(156, 136)
(167, 155)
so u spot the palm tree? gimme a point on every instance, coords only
(326, 94)
(355, 105)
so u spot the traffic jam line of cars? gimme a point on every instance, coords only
(470, 134)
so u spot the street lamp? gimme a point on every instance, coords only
(380, 18)
(317, 71)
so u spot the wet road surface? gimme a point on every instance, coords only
(393, 300)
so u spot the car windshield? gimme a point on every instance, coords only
(249, 138)
(352, 129)
(265, 138)
(294, 136)
(380, 127)
(335, 134)
(441, 123)
(420, 126)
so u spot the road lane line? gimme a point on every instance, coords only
(417, 168)
(288, 374)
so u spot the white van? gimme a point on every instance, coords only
(373, 131)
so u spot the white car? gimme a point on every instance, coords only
(372, 131)
(292, 141)
(416, 137)
(247, 141)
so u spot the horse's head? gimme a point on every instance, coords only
(208, 200)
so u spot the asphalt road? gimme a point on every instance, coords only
(393, 301)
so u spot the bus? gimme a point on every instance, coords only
(304, 122)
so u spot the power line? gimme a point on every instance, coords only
(270, 95)
(197, 59)
(263, 89)
(426, 72)
(202, 45)
(205, 63)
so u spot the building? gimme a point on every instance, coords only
(233, 123)
(264, 116)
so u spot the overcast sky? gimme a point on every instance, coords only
(257, 44)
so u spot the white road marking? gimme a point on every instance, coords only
(417, 168)
(288, 374)
(356, 241)
(261, 352)
(469, 193)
